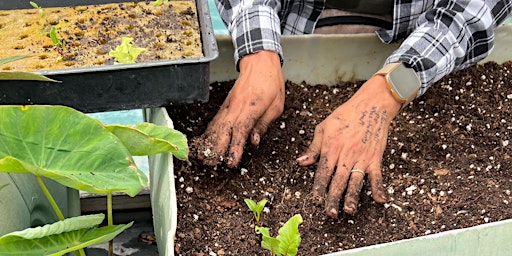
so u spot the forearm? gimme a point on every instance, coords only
(447, 39)
(254, 25)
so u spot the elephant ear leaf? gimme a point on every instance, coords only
(149, 139)
(60, 237)
(67, 146)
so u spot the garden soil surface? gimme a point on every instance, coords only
(447, 165)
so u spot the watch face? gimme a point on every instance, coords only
(404, 81)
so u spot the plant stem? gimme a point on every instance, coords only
(50, 198)
(110, 222)
(55, 207)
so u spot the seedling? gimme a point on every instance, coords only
(126, 53)
(160, 2)
(60, 44)
(287, 242)
(39, 9)
(256, 208)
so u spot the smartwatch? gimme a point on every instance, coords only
(403, 82)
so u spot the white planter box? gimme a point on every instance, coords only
(304, 61)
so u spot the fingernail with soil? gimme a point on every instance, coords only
(302, 158)
(332, 213)
(350, 208)
(255, 139)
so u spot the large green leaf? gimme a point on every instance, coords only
(24, 76)
(61, 237)
(67, 146)
(149, 139)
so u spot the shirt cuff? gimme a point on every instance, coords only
(256, 29)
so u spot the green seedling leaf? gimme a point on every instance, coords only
(289, 236)
(256, 208)
(287, 242)
(149, 139)
(126, 53)
(268, 242)
(67, 146)
(160, 2)
(61, 237)
(39, 9)
(53, 35)
(34, 4)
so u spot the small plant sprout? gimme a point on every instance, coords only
(160, 2)
(60, 44)
(287, 241)
(256, 208)
(126, 53)
(39, 9)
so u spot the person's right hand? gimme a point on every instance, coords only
(256, 99)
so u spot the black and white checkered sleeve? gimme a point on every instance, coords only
(451, 36)
(254, 25)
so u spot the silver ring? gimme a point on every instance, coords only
(356, 170)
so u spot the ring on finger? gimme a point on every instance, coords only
(357, 170)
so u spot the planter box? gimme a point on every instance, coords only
(118, 87)
(23, 204)
(362, 55)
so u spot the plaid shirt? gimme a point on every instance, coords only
(439, 37)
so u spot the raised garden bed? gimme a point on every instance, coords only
(446, 166)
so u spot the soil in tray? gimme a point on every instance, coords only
(168, 32)
(447, 166)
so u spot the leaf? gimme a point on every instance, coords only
(149, 139)
(24, 76)
(67, 146)
(289, 236)
(13, 58)
(53, 36)
(61, 237)
(126, 53)
(251, 204)
(34, 4)
(3, 186)
(268, 242)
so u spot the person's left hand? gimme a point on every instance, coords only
(350, 143)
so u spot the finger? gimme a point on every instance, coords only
(214, 142)
(239, 136)
(376, 184)
(355, 184)
(336, 189)
(313, 152)
(262, 125)
(325, 169)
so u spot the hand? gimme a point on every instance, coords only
(353, 137)
(256, 99)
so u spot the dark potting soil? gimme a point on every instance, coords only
(447, 165)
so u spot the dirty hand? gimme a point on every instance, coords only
(350, 143)
(256, 99)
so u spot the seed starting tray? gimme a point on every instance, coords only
(118, 87)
